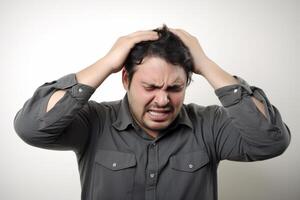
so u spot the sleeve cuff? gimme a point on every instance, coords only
(232, 94)
(77, 95)
(79, 91)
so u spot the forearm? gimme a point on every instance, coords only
(215, 75)
(94, 74)
(218, 78)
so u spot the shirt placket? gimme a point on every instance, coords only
(152, 171)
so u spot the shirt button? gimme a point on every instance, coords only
(191, 166)
(235, 90)
(152, 175)
(114, 164)
(80, 90)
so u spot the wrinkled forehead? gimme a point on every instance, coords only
(158, 70)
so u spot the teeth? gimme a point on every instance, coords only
(156, 113)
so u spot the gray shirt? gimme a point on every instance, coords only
(118, 160)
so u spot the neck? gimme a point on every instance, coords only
(153, 134)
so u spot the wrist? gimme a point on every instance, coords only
(203, 65)
(105, 65)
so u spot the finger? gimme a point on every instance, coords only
(185, 32)
(181, 32)
(146, 36)
(184, 36)
(178, 32)
(139, 33)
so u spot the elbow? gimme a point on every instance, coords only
(26, 129)
(280, 142)
(22, 128)
(284, 139)
(273, 145)
(32, 132)
(280, 148)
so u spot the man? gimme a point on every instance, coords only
(149, 145)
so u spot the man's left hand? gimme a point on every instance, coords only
(195, 48)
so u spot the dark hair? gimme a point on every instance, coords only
(168, 47)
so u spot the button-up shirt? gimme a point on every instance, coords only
(118, 161)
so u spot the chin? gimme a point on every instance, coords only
(158, 126)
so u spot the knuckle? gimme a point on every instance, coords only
(123, 38)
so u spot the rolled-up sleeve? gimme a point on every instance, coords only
(61, 128)
(241, 131)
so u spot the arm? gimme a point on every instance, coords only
(240, 132)
(247, 127)
(96, 73)
(215, 75)
(58, 115)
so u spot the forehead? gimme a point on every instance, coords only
(157, 70)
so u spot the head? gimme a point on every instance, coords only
(155, 77)
(168, 47)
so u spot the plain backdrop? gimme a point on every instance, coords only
(42, 40)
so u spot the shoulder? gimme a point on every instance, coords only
(104, 106)
(200, 110)
(203, 114)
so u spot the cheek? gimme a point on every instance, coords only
(177, 99)
(142, 98)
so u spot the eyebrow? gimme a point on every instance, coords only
(151, 84)
(172, 86)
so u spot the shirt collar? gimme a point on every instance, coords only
(183, 118)
(124, 118)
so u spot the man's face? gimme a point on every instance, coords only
(156, 93)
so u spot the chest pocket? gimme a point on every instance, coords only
(115, 160)
(189, 162)
(113, 175)
(190, 174)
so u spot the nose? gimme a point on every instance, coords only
(161, 98)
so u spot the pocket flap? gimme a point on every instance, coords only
(115, 160)
(189, 162)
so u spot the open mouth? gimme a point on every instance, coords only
(159, 115)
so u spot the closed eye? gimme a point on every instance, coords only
(150, 87)
(175, 88)
(171, 88)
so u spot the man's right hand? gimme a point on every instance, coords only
(117, 55)
(112, 62)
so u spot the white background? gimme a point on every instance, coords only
(43, 40)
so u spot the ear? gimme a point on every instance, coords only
(125, 79)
